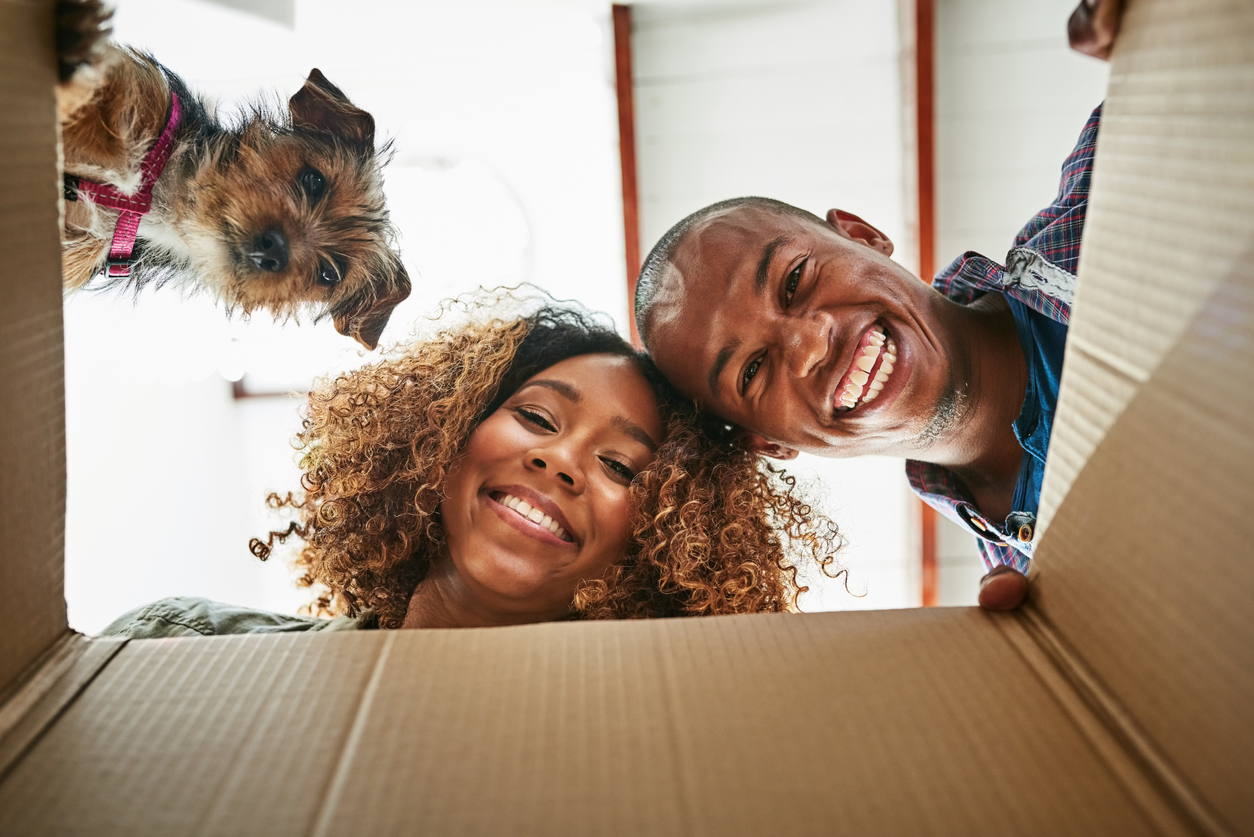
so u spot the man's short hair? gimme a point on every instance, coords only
(653, 272)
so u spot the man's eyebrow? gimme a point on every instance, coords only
(562, 388)
(635, 431)
(720, 361)
(764, 263)
(760, 278)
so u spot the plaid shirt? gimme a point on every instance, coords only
(1040, 273)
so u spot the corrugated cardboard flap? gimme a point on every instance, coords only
(1145, 572)
(32, 422)
(927, 721)
(1170, 214)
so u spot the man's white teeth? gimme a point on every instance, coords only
(535, 515)
(863, 364)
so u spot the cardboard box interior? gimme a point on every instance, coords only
(1118, 701)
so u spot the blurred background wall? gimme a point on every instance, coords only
(507, 170)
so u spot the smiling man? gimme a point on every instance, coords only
(803, 332)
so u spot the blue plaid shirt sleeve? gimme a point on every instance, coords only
(997, 555)
(1055, 231)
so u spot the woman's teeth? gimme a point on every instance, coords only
(534, 515)
(861, 386)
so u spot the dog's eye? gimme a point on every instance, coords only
(312, 181)
(329, 274)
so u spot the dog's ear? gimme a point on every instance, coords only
(322, 106)
(365, 321)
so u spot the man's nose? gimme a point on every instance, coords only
(557, 461)
(807, 342)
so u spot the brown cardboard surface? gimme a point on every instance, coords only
(1170, 216)
(1146, 571)
(32, 422)
(231, 735)
(1144, 574)
(909, 722)
(60, 676)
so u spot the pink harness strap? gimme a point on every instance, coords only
(131, 208)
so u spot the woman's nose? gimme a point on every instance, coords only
(807, 342)
(557, 462)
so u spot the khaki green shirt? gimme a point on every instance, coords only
(186, 616)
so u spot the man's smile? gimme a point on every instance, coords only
(868, 373)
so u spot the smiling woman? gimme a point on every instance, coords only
(523, 470)
(530, 470)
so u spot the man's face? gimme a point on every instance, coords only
(805, 333)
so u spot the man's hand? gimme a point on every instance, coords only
(1093, 26)
(1003, 589)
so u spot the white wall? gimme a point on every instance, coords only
(796, 101)
(1011, 99)
(507, 169)
(799, 102)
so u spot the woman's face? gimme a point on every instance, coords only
(539, 500)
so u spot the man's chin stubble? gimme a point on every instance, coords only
(949, 411)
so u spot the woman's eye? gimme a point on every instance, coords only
(620, 469)
(790, 285)
(537, 419)
(312, 182)
(750, 371)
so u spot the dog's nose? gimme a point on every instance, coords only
(269, 251)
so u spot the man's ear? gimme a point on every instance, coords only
(854, 228)
(754, 443)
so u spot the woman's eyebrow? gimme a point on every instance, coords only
(562, 388)
(635, 431)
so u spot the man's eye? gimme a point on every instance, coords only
(750, 371)
(537, 419)
(790, 285)
(620, 469)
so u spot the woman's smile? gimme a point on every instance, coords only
(534, 515)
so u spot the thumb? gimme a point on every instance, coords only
(1004, 588)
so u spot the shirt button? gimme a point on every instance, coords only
(1025, 533)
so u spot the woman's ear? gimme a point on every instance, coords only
(852, 227)
(760, 445)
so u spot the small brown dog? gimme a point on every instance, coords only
(276, 212)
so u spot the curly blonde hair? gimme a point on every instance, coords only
(714, 529)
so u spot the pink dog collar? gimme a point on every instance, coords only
(131, 208)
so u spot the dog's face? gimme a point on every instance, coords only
(297, 215)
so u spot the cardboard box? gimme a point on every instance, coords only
(1119, 701)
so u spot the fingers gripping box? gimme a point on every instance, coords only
(1120, 700)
